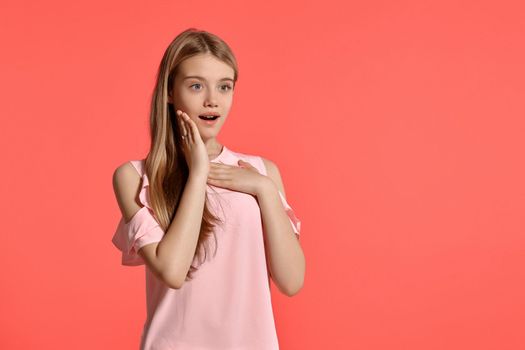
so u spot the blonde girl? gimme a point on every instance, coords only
(211, 225)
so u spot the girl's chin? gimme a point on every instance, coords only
(207, 133)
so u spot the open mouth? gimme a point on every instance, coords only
(208, 117)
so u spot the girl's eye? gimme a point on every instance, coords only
(225, 87)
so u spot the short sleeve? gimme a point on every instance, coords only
(142, 229)
(129, 237)
(294, 220)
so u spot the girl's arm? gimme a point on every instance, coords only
(171, 258)
(176, 251)
(283, 251)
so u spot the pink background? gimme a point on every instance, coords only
(398, 127)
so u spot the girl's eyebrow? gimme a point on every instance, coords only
(202, 78)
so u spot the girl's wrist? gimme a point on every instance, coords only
(264, 185)
(198, 176)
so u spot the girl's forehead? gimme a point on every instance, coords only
(205, 66)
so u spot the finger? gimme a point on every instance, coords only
(190, 124)
(214, 182)
(194, 130)
(185, 127)
(222, 165)
(219, 176)
(182, 124)
(219, 173)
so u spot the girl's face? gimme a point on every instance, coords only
(203, 85)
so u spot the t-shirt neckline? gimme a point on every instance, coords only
(220, 156)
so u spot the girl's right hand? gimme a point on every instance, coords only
(194, 148)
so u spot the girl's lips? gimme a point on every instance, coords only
(209, 122)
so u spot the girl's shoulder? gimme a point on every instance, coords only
(138, 164)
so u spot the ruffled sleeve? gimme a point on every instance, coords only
(142, 229)
(294, 220)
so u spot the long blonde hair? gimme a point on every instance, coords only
(165, 164)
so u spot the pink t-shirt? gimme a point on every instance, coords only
(228, 303)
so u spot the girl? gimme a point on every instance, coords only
(192, 196)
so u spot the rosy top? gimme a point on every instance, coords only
(228, 303)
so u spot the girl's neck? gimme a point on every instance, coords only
(213, 147)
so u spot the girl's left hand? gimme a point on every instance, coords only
(243, 178)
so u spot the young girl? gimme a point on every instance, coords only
(210, 224)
